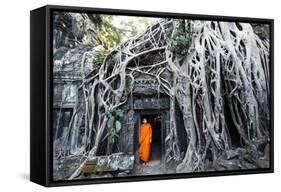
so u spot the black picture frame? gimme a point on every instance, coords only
(41, 94)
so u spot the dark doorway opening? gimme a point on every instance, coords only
(155, 121)
(61, 119)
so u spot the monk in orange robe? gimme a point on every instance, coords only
(145, 141)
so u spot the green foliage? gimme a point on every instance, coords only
(133, 26)
(118, 126)
(113, 125)
(114, 29)
(182, 38)
(110, 34)
(262, 30)
(99, 56)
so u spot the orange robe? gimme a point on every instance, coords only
(145, 137)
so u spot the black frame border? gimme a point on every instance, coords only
(48, 158)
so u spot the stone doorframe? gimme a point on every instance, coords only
(164, 126)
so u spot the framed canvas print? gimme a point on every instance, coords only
(123, 95)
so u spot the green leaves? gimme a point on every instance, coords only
(117, 126)
(99, 55)
(119, 113)
(114, 29)
(262, 30)
(113, 125)
(110, 34)
(110, 122)
(182, 38)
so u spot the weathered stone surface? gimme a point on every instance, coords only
(63, 168)
(68, 66)
(122, 174)
(230, 154)
(151, 103)
(242, 158)
(70, 29)
(222, 165)
(128, 132)
(114, 162)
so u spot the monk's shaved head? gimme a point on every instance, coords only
(144, 120)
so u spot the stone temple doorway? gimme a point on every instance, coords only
(156, 144)
(157, 112)
(158, 120)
